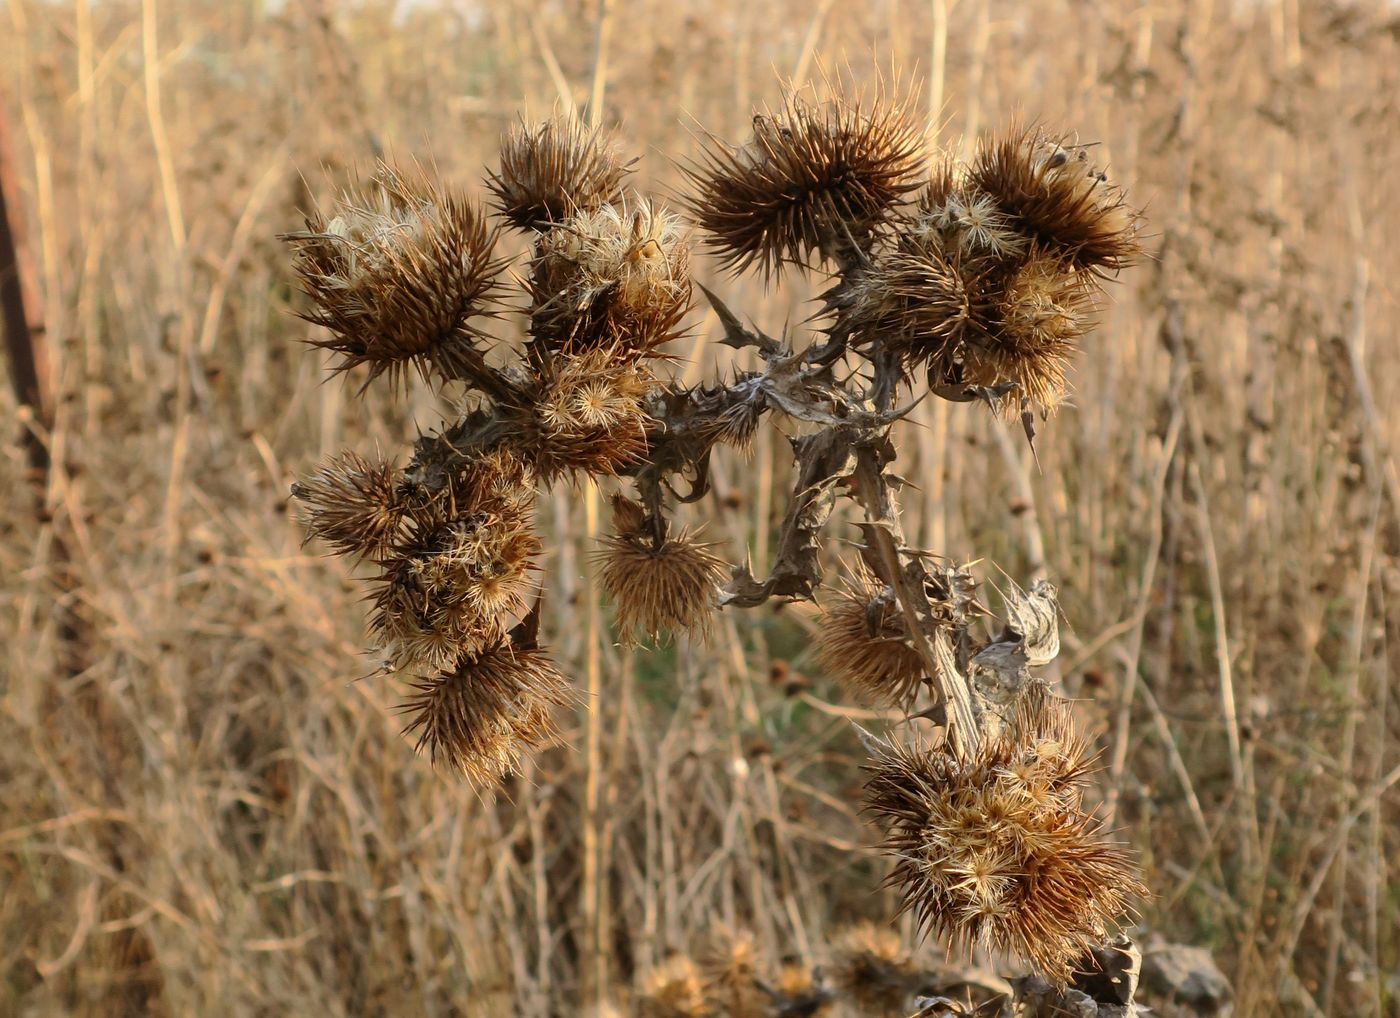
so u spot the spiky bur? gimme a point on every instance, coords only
(584, 414)
(672, 989)
(660, 585)
(814, 179)
(615, 276)
(994, 849)
(862, 641)
(460, 566)
(478, 717)
(991, 283)
(552, 170)
(731, 971)
(1053, 195)
(400, 275)
(870, 968)
(354, 505)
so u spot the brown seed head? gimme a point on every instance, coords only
(672, 989)
(353, 504)
(481, 715)
(617, 276)
(660, 589)
(873, 970)
(731, 970)
(813, 179)
(994, 849)
(553, 170)
(587, 414)
(1043, 309)
(398, 276)
(862, 641)
(1057, 200)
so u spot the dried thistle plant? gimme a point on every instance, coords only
(976, 283)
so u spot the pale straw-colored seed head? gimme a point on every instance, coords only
(552, 170)
(616, 276)
(815, 178)
(672, 989)
(400, 275)
(870, 967)
(480, 716)
(994, 849)
(660, 587)
(863, 643)
(731, 971)
(353, 504)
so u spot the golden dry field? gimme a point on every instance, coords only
(208, 805)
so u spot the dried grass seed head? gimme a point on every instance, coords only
(480, 716)
(617, 275)
(862, 641)
(552, 170)
(400, 275)
(353, 504)
(1055, 197)
(813, 179)
(660, 589)
(994, 849)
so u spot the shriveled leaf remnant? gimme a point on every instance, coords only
(974, 282)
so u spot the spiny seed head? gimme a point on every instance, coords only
(993, 848)
(1042, 311)
(398, 275)
(478, 717)
(353, 504)
(587, 414)
(659, 589)
(871, 968)
(671, 989)
(1057, 200)
(731, 970)
(800, 992)
(862, 641)
(419, 620)
(814, 178)
(553, 170)
(617, 275)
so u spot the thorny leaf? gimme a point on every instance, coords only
(1030, 639)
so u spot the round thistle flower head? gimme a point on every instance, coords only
(399, 276)
(481, 715)
(813, 179)
(731, 972)
(617, 275)
(994, 849)
(1042, 310)
(1052, 195)
(871, 968)
(659, 586)
(353, 504)
(552, 170)
(862, 642)
(671, 990)
(589, 414)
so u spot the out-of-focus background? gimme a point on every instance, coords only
(206, 808)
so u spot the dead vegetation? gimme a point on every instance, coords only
(205, 812)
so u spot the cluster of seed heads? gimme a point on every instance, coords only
(973, 282)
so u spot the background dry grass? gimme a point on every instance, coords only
(205, 812)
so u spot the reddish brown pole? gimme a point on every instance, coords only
(20, 318)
